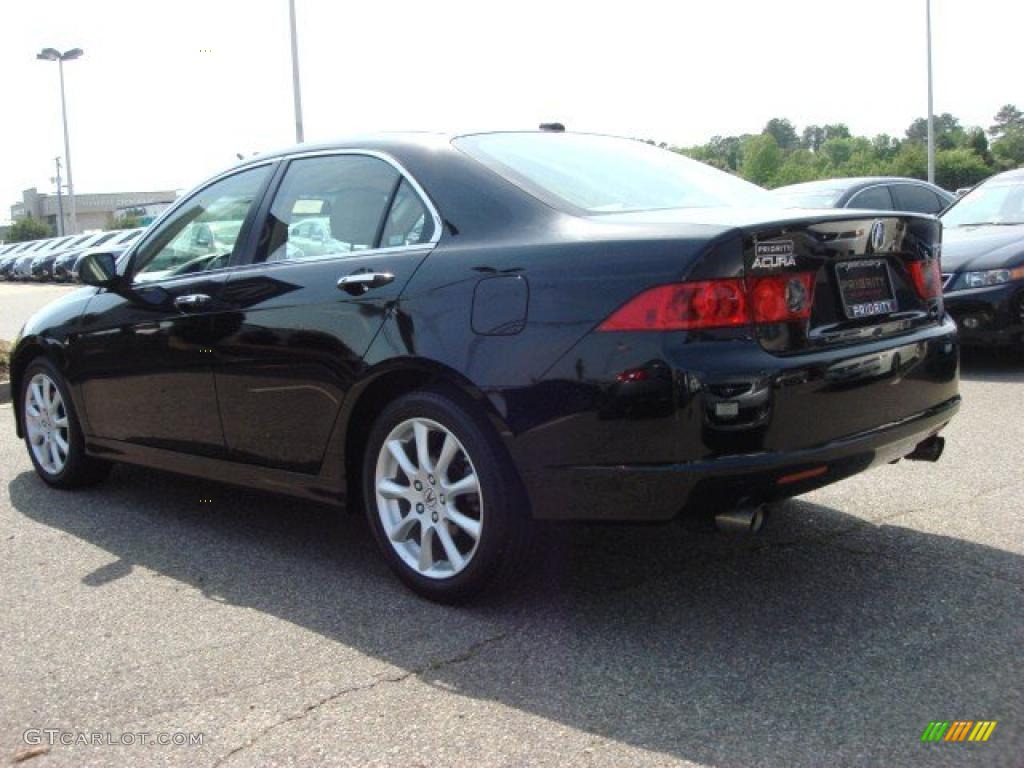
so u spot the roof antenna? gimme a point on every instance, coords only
(553, 127)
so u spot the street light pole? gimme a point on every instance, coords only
(931, 116)
(296, 89)
(60, 200)
(52, 54)
(67, 150)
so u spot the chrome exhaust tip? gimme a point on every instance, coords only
(928, 450)
(743, 520)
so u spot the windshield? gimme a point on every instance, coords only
(999, 201)
(602, 174)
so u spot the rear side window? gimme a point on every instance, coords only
(409, 221)
(330, 206)
(910, 197)
(873, 198)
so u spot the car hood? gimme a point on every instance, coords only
(983, 247)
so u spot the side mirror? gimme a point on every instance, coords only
(99, 269)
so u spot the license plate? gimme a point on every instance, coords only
(866, 288)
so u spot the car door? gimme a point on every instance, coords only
(143, 357)
(303, 319)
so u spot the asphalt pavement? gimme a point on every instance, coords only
(272, 630)
(19, 301)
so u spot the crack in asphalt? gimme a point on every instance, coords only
(470, 653)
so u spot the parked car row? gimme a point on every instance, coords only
(56, 258)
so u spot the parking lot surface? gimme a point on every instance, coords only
(155, 604)
(19, 301)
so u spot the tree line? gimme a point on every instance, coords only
(781, 155)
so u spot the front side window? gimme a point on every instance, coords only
(602, 174)
(203, 233)
(329, 206)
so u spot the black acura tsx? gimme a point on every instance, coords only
(466, 334)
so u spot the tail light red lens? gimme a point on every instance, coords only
(927, 277)
(782, 298)
(724, 303)
(683, 306)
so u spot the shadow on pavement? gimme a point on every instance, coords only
(826, 641)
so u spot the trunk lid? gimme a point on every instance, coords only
(859, 267)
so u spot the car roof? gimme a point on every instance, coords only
(847, 184)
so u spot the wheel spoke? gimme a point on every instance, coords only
(37, 396)
(422, 432)
(426, 548)
(400, 531)
(468, 484)
(62, 444)
(61, 422)
(389, 489)
(32, 410)
(397, 449)
(468, 524)
(55, 456)
(448, 451)
(450, 550)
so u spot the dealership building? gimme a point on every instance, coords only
(92, 211)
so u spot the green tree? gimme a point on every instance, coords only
(1006, 119)
(125, 222)
(911, 160)
(783, 132)
(28, 229)
(812, 138)
(837, 131)
(1008, 149)
(761, 159)
(960, 167)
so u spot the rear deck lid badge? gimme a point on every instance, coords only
(774, 255)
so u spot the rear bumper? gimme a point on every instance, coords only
(651, 493)
(989, 316)
(641, 427)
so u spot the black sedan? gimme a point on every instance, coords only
(983, 262)
(500, 328)
(876, 193)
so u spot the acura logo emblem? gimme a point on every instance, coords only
(878, 235)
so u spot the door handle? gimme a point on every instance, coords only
(192, 302)
(359, 283)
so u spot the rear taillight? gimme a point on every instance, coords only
(782, 298)
(683, 306)
(724, 303)
(927, 277)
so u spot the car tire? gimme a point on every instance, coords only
(53, 433)
(478, 530)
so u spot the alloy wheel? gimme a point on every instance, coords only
(428, 498)
(46, 422)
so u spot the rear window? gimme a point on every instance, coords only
(603, 174)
